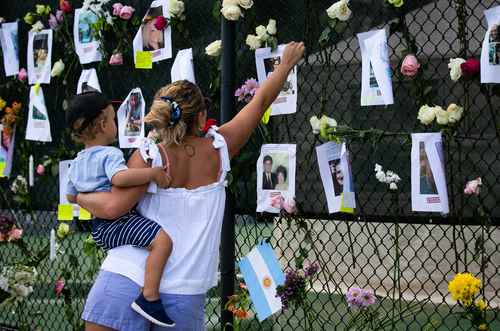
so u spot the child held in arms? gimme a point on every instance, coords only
(91, 119)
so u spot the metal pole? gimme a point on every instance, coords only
(226, 114)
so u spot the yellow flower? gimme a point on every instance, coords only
(62, 230)
(2, 103)
(482, 327)
(396, 3)
(29, 18)
(463, 287)
(481, 304)
(40, 9)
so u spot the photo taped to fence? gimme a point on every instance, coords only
(490, 52)
(131, 119)
(86, 44)
(39, 56)
(10, 47)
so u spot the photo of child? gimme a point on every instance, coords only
(133, 115)
(152, 38)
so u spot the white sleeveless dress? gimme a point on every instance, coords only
(193, 219)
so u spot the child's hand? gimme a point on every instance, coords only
(161, 178)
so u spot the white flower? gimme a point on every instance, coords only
(380, 175)
(441, 115)
(315, 124)
(176, 8)
(454, 113)
(19, 185)
(37, 27)
(4, 283)
(109, 18)
(339, 10)
(57, 69)
(22, 290)
(378, 167)
(214, 48)
(455, 70)
(393, 186)
(330, 122)
(247, 4)
(271, 27)
(231, 12)
(261, 32)
(389, 177)
(253, 41)
(426, 114)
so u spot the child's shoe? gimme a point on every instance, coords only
(153, 311)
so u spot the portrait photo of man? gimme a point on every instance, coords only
(269, 178)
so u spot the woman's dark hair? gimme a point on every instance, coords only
(281, 169)
(83, 110)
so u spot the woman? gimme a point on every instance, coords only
(191, 211)
(281, 176)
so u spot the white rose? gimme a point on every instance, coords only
(380, 175)
(253, 41)
(175, 8)
(454, 113)
(393, 186)
(37, 27)
(455, 70)
(315, 124)
(271, 27)
(247, 4)
(261, 32)
(231, 12)
(57, 69)
(441, 115)
(426, 114)
(214, 48)
(339, 10)
(378, 167)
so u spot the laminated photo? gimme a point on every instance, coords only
(39, 56)
(428, 181)
(7, 141)
(335, 170)
(86, 45)
(150, 39)
(10, 49)
(131, 119)
(490, 53)
(183, 67)
(63, 183)
(38, 127)
(88, 82)
(275, 176)
(266, 61)
(376, 83)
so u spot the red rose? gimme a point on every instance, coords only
(208, 124)
(470, 68)
(160, 23)
(65, 6)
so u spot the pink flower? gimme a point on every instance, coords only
(22, 75)
(126, 12)
(410, 66)
(60, 16)
(53, 22)
(160, 23)
(40, 170)
(470, 68)
(367, 298)
(473, 187)
(290, 207)
(59, 287)
(117, 8)
(15, 234)
(116, 59)
(277, 201)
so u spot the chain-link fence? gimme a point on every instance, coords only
(406, 258)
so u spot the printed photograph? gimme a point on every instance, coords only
(85, 21)
(87, 88)
(275, 171)
(134, 114)
(40, 51)
(337, 176)
(270, 64)
(494, 45)
(427, 183)
(152, 38)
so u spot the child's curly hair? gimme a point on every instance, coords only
(85, 111)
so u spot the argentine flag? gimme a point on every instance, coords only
(262, 273)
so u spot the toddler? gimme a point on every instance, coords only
(96, 168)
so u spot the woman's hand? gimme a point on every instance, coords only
(292, 54)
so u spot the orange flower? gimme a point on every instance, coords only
(8, 110)
(231, 308)
(241, 314)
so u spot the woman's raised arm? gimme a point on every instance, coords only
(238, 130)
(111, 205)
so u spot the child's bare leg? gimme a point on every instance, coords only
(160, 251)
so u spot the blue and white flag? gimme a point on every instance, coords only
(262, 273)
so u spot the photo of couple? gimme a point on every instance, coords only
(274, 176)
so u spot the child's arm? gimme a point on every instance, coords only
(71, 198)
(137, 177)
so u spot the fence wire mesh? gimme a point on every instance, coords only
(406, 258)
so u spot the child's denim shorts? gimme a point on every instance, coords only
(109, 300)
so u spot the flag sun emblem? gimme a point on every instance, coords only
(266, 282)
